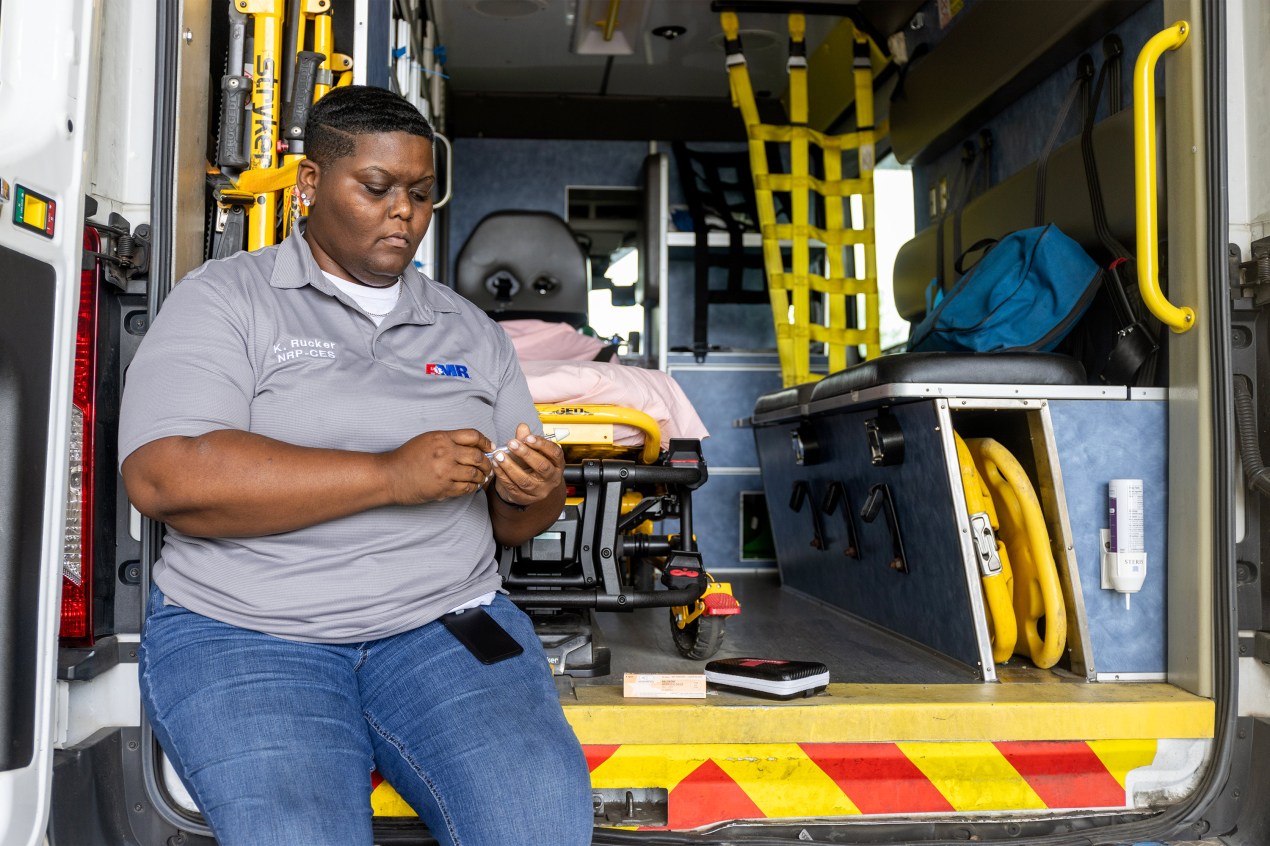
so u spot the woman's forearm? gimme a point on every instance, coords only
(512, 526)
(231, 483)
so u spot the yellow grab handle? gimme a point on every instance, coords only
(1038, 594)
(998, 588)
(1144, 167)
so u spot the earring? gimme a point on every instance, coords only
(305, 201)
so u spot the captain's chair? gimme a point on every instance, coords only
(519, 265)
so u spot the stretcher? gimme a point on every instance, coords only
(624, 539)
(616, 495)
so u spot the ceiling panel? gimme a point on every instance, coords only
(529, 49)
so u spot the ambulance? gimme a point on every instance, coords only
(963, 586)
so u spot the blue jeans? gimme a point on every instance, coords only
(275, 739)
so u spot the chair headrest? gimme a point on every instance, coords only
(525, 264)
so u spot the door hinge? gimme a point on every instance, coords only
(1251, 279)
(125, 252)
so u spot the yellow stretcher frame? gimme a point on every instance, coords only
(581, 417)
(790, 290)
(577, 426)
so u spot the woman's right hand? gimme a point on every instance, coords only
(438, 465)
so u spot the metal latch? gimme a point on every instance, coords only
(125, 252)
(985, 542)
(644, 806)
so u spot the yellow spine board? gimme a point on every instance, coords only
(265, 111)
(790, 290)
(323, 43)
(1038, 593)
(998, 589)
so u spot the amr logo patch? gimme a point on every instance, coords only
(459, 370)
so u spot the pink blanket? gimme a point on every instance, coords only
(599, 383)
(541, 340)
(558, 362)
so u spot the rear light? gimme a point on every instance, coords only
(77, 553)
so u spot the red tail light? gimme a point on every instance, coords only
(77, 554)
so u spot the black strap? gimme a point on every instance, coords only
(1084, 71)
(973, 162)
(1133, 355)
(983, 170)
(985, 244)
(1112, 51)
(606, 353)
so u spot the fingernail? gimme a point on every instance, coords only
(514, 444)
(531, 440)
(502, 456)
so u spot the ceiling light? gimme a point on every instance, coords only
(506, 8)
(670, 33)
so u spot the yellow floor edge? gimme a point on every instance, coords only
(856, 713)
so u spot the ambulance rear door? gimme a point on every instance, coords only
(46, 50)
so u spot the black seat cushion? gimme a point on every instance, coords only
(788, 399)
(1008, 368)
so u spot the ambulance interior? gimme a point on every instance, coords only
(836, 508)
(544, 120)
(858, 500)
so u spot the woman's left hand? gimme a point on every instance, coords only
(530, 470)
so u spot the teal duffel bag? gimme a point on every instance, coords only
(1025, 293)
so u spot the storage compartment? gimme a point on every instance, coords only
(870, 517)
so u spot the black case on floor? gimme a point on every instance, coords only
(771, 677)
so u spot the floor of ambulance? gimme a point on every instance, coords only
(777, 623)
(882, 688)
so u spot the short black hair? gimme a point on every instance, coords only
(344, 113)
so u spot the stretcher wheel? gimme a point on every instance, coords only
(700, 639)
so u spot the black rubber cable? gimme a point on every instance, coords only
(1256, 474)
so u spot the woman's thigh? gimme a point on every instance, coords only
(482, 752)
(267, 734)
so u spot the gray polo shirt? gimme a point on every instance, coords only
(263, 342)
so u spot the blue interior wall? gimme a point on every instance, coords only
(1019, 130)
(497, 174)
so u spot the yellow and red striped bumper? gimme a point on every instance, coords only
(879, 750)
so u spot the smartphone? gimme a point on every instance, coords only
(482, 635)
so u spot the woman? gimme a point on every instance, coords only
(315, 422)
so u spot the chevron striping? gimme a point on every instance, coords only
(708, 795)
(878, 777)
(1065, 774)
(709, 783)
(597, 754)
(769, 772)
(1121, 756)
(973, 776)
(636, 765)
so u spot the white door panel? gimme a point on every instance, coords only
(46, 56)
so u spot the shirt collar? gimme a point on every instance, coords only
(421, 298)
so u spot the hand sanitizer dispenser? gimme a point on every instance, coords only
(1124, 557)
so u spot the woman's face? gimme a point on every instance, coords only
(371, 209)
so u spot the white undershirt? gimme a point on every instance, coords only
(377, 303)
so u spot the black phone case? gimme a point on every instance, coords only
(482, 635)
